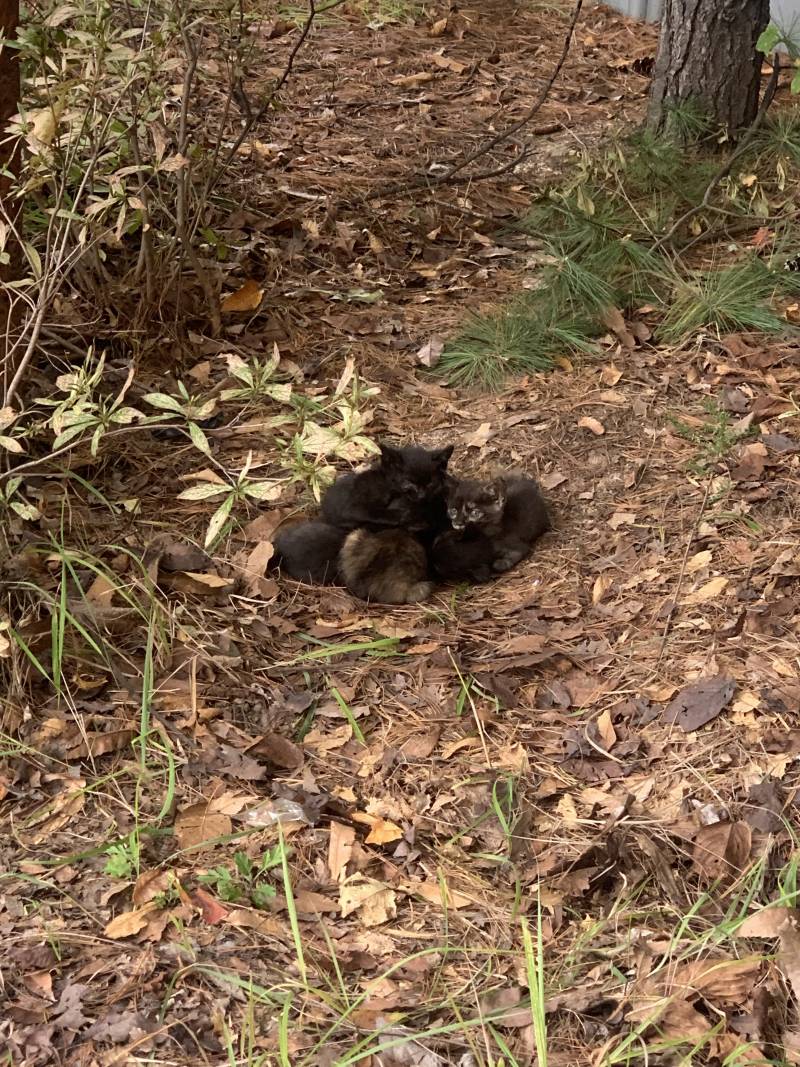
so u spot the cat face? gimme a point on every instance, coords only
(416, 475)
(476, 503)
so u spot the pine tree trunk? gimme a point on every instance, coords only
(707, 55)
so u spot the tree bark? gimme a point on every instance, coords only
(9, 168)
(707, 55)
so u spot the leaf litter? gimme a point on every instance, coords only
(563, 745)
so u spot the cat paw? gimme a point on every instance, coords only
(504, 563)
(420, 591)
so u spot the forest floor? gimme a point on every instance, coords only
(599, 751)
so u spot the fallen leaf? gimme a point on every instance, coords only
(420, 746)
(430, 353)
(552, 480)
(764, 808)
(213, 910)
(340, 849)
(610, 374)
(375, 902)
(278, 750)
(606, 731)
(767, 922)
(602, 584)
(700, 702)
(440, 893)
(247, 298)
(255, 566)
(480, 436)
(721, 851)
(310, 903)
(198, 824)
(438, 28)
(504, 1007)
(615, 321)
(101, 591)
(698, 561)
(149, 885)
(408, 81)
(588, 423)
(129, 922)
(709, 591)
(383, 832)
(446, 63)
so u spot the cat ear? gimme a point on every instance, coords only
(390, 456)
(441, 455)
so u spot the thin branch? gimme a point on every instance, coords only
(725, 169)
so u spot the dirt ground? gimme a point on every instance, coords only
(537, 749)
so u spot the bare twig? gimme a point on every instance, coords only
(725, 169)
(255, 116)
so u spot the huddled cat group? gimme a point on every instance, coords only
(389, 532)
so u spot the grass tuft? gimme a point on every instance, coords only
(725, 300)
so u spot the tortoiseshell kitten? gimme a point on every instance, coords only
(405, 489)
(494, 525)
(389, 566)
(309, 552)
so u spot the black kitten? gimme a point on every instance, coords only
(494, 526)
(389, 567)
(406, 488)
(309, 552)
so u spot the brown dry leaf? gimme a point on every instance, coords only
(439, 28)
(149, 885)
(610, 374)
(523, 644)
(383, 832)
(246, 298)
(263, 526)
(700, 702)
(789, 955)
(212, 910)
(196, 583)
(767, 922)
(615, 321)
(279, 751)
(340, 849)
(698, 561)
(709, 591)
(606, 731)
(588, 423)
(100, 744)
(420, 746)
(430, 353)
(375, 902)
(57, 812)
(101, 591)
(255, 566)
(479, 437)
(722, 850)
(724, 981)
(309, 903)
(408, 81)
(446, 63)
(199, 824)
(552, 480)
(440, 893)
(503, 1007)
(129, 922)
(602, 584)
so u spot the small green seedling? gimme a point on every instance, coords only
(247, 880)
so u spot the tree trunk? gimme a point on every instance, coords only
(707, 55)
(10, 213)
